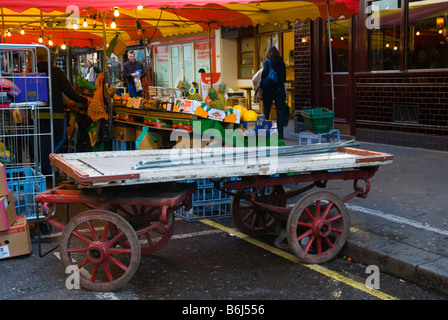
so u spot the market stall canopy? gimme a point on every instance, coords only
(25, 21)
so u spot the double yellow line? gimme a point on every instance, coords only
(329, 273)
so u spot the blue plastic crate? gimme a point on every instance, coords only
(118, 145)
(208, 202)
(26, 183)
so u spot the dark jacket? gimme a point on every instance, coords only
(129, 68)
(59, 85)
(279, 66)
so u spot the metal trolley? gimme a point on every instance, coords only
(25, 97)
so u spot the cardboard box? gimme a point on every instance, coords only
(124, 132)
(3, 182)
(203, 110)
(33, 87)
(7, 211)
(16, 241)
(134, 103)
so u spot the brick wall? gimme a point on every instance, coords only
(302, 65)
(422, 98)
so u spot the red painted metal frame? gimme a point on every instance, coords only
(316, 178)
(164, 196)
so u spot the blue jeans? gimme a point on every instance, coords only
(132, 91)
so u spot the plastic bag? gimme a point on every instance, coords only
(9, 87)
(138, 81)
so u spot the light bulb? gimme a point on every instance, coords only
(40, 39)
(139, 7)
(22, 31)
(63, 47)
(50, 42)
(9, 33)
(75, 26)
(116, 13)
(113, 25)
(84, 24)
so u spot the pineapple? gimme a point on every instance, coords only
(188, 90)
(216, 102)
(221, 91)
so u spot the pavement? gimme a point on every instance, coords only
(402, 225)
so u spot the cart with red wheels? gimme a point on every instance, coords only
(105, 242)
(131, 201)
(316, 226)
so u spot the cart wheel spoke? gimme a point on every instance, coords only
(100, 269)
(106, 269)
(118, 263)
(92, 230)
(105, 230)
(317, 232)
(82, 238)
(250, 218)
(152, 233)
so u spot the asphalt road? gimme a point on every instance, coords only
(206, 261)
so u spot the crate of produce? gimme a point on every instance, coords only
(318, 120)
(208, 202)
(26, 183)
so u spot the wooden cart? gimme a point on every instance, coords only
(131, 197)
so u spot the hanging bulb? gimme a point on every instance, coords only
(116, 13)
(50, 42)
(113, 25)
(41, 39)
(75, 25)
(22, 31)
(9, 33)
(63, 47)
(84, 24)
(139, 7)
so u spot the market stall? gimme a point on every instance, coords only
(127, 213)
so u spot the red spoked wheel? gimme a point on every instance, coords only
(251, 218)
(88, 243)
(317, 227)
(152, 230)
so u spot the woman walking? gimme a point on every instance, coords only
(275, 92)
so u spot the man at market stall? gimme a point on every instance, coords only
(133, 71)
(59, 85)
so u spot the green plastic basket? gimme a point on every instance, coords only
(318, 120)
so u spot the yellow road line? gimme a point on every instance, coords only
(315, 267)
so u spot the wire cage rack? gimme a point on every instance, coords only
(25, 99)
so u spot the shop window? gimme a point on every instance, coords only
(384, 35)
(428, 34)
(245, 58)
(176, 62)
(339, 45)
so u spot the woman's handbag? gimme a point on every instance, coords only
(271, 78)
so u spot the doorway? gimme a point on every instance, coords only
(341, 53)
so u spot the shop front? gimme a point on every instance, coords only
(390, 65)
